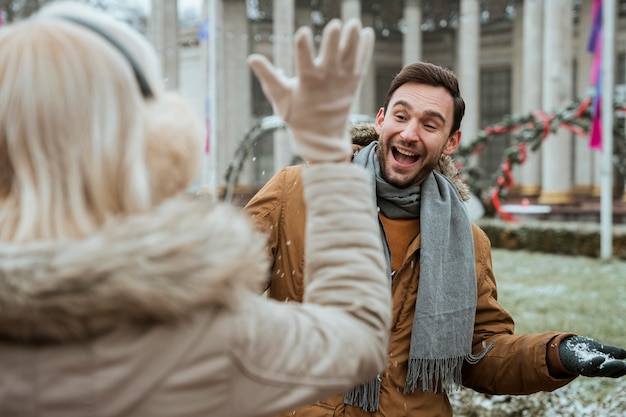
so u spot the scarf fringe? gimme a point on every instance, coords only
(434, 375)
(364, 396)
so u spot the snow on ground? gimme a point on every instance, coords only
(570, 401)
(554, 292)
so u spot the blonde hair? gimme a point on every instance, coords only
(75, 131)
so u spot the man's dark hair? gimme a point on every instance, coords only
(434, 75)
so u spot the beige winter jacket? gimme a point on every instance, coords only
(158, 314)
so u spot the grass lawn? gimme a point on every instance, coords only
(545, 292)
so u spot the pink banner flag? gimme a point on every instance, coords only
(594, 45)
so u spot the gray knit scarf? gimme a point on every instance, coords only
(443, 325)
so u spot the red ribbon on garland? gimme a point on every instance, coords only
(574, 129)
(583, 107)
(495, 200)
(547, 121)
(507, 180)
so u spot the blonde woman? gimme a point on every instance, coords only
(119, 296)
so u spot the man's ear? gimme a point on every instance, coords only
(380, 118)
(452, 143)
(174, 137)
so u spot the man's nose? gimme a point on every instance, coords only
(410, 133)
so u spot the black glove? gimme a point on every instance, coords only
(584, 356)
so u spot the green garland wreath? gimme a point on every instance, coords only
(527, 132)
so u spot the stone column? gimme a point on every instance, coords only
(233, 83)
(367, 96)
(352, 9)
(530, 181)
(596, 189)
(584, 161)
(468, 66)
(557, 69)
(283, 30)
(412, 41)
(163, 33)
(517, 71)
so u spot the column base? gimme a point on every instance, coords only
(529, 190)
(580, 190)
(556, 197)
(596, 191)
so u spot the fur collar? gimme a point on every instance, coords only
(153, 267)
(363, 134)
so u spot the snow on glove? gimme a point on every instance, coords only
(315, 104)
(584, 356)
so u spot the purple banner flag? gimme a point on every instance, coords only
(594, 45)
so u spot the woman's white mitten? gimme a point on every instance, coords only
(315, 104)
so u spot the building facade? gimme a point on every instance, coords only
(511, 57)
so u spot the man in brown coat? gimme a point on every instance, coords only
(448, 328)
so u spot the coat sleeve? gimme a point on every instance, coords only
(290, 354)
(517, 363)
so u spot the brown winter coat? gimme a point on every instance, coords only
(517, 364)
(158, 314)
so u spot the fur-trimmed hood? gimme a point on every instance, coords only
(157, 266)
(363, 134)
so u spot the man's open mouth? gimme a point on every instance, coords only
(404, 157)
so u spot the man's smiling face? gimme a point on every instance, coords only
(414, 132)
